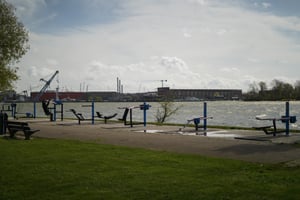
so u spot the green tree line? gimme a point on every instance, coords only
(279, 90)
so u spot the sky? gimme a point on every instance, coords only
(190, 44)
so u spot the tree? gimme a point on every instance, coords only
(262, 86)
(262, 89)
(288, 91)
(13, 44)
(297, 90)
(166, 110)
(282, 90)
(279, 91)
(253, 88)
(252, 93)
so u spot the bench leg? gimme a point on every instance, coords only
(28, 134)
(275, 129)
(12, 134)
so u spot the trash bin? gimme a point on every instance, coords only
(3, 120)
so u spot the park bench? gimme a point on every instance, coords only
(13, 127)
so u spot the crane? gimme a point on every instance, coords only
(45, 87)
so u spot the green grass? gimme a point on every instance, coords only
(63, 169)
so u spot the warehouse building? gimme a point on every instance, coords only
(200, 94)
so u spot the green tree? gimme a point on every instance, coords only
(262, 86)
(252, 93)
(262, 90)
(13, 44)
(282, 90)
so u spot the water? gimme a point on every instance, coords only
(225, 113)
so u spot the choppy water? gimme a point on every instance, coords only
(228, 113)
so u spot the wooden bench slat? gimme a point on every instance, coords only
(18, 127)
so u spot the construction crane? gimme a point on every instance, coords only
(45, 87)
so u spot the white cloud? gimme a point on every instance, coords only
(253, 60)
(184, 43)
(32, 71)
(186, 33)
(262, 4)
(266, 4)
(200, 2)
(230, 70)
(27, 8)
(221, 32)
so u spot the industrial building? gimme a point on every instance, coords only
(200, 94)
(76, 96)
(161, 94)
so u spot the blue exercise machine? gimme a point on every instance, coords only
(197, 120)
(127, 110)
(272, 129)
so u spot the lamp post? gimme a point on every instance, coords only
(162, 82)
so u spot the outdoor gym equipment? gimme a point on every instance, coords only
(272, 129)
(197, 120)
(99, 115)
(80, 117)
(53, 111)
(127, 110)
(9, 107)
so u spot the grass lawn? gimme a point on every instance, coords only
(65, 169)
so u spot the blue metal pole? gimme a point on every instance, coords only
(130, 112)
(34, 109)
(204, 115)
(145, 115)
(61, 111)
(54, 112)
(287, 115)
(93, 109)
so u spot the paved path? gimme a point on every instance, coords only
(218, 143)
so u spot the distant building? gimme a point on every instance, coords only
(77, 96)
(8, 95)
(200, 94)
(162, 93)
